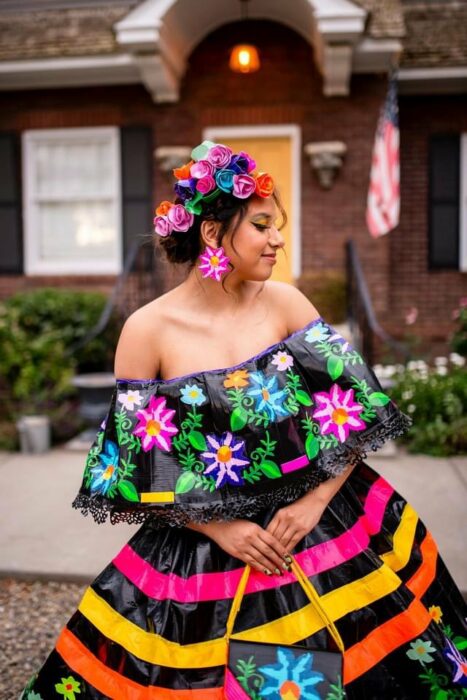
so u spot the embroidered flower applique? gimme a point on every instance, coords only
(226, 459)
(155, 427)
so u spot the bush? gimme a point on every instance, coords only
(436, 398)
(327, 291)
(37, 332)
(458, 338)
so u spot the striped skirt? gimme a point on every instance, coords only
(152, 624)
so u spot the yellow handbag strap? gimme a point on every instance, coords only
(307, 586)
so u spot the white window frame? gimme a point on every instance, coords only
(463, 205)
(33, 264)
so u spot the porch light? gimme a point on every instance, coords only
(244, 58)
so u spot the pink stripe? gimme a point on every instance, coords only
(222, 585)
(232, 688)
(293, 464)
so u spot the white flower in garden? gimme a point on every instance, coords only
(442, 370)
(441, 361)
(411, 408)
(406, 395)
(130, 399)
(457, 359)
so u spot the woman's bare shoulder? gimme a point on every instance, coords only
(136, 355)
(295, 308)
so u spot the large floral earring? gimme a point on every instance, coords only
(213, 263)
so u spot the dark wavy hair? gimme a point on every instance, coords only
(185, 247)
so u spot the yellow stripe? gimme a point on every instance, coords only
(158, 497)
(403, 539)
(289, 629)
(302, 623)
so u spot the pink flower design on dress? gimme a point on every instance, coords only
(282, 360)
(337, 412)
(213, 262)
(155, 426)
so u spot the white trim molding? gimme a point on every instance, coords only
(267, 130)
(35, 140)
(430, 81)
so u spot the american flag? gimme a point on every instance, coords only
(383, 201)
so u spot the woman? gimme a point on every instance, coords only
(236, 434)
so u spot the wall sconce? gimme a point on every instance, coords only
(326, 159)
(170, 157)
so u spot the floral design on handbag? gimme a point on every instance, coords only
(259, 670)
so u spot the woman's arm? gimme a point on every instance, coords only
(293, 522)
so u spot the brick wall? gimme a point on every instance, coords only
(288, 89)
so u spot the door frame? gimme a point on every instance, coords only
(267, 130)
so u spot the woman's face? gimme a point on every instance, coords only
(256, 240)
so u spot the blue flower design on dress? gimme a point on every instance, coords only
(317, 333)
(192, 394)
(268, 397)
(226, 459)
(105, 473)
(291, 677)
(459, 662)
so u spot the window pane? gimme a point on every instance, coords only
(76, 231)
(78, 167)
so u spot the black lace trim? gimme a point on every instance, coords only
(179, 514)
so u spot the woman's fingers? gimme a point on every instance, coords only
(265, 562)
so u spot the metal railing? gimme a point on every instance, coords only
(361, 316)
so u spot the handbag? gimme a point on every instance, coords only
(259, 670)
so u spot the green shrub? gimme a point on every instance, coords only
(458, 338)
(38, 330)
(436, 398)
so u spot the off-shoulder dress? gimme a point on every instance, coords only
(241, 442)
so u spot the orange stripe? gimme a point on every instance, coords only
(384, 639)
(426, 573)
(116, 686)
(360, 657)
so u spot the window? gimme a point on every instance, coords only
(72, 201)
(447, 219)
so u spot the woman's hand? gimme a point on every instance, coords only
(291, 523)
(247, 541)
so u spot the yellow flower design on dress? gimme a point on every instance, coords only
(436, 613)
(236, 379)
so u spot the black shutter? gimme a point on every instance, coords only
(444, 196)
(137, 205)
(11, 241)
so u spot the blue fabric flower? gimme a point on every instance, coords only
(105, 474)
(316, 333)
(192, 394)
(268, 397)
(224, 179)
(292, 675)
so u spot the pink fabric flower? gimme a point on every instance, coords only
(243, 186)
(213, 262)
(162, 226)
(337, 412)
(155, 426)
(180, 218)
(206, 184)
(219, 155)
(201, 169)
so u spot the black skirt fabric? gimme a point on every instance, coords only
(152, 624)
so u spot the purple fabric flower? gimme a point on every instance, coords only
(242, 163)
(243, 186)
(224, 179)
(206, 184)
(185, 189)
(180, 218)
(226, 459)
(201, 169)
(219, 155)
(162, 226)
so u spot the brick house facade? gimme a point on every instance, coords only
(292, 87)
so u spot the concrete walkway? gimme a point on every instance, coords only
(41, 536)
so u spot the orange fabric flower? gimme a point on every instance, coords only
(264, 185)
(163, 208)
(183, 173)
(236, 379)
(436, 613)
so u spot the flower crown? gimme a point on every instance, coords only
(213, 169)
